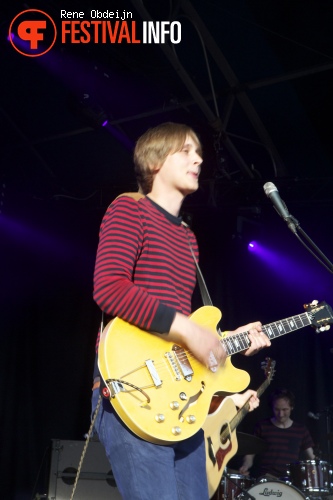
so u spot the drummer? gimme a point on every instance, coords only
(287, 441)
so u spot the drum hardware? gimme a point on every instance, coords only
(232, 486)
(319, 486)
(313, 477)
(241, 484)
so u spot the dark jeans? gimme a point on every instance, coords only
(146, 471)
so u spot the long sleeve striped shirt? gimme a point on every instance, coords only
(284, 446)
(144, 271)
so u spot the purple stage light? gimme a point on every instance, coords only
(252, 246)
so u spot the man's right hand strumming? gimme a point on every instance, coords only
(202, 342)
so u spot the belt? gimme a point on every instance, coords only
(96, 384)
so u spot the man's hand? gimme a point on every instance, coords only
(247, 464)
(204, 344)
(257, 337)
(241, 399)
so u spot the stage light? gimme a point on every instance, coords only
(252, 246)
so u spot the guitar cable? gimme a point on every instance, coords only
(84, 451)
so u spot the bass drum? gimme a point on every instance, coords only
(275, 489)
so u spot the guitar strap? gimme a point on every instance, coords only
(207, 301)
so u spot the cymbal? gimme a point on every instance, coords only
(249, 444)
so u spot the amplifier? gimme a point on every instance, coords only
(96, 479)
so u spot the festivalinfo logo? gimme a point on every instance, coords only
(33, 32)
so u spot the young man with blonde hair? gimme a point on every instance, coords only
(145, 274)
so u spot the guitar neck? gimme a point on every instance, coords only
(236, 420)
(240, 341)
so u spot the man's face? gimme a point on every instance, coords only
(181, 170)
(282, 410)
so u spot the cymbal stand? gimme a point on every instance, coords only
(329, 413)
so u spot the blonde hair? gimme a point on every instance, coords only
(153, 147)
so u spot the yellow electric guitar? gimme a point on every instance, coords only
(160, 391)
(220, 431)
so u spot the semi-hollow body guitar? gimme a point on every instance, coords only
(160, 391)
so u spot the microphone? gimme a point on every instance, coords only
(315, 416)
(273, 194)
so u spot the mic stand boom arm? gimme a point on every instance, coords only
(323, 260)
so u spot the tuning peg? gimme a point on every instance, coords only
(323, 328)
(312, 304)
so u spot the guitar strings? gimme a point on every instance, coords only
(232, 344)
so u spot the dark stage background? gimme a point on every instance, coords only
(49, 323)
(261, 100)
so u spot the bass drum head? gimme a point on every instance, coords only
(275, 489)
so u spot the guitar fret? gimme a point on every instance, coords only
(286, 325)
(273, 330)
(236, 343)
(245, 340)
(240, 341)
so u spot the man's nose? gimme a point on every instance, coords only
(197, 158)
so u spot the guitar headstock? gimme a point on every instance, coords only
(269, 368)
(321, 315)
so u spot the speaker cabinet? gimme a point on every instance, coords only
(96, 480)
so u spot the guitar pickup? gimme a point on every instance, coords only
(153, 373)
(183, 362)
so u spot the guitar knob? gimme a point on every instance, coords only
(159, 418)
(176, 430)
(190, 419)
(174, 405)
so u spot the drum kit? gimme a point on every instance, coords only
(304, 480)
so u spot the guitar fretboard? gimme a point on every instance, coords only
(246, 408)
(240, 341)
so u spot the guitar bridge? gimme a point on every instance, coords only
(153, 373)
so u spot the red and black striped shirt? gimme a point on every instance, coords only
(285, 445)
(144, 269)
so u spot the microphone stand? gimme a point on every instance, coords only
(325, 261)
(294, 226)
(329, 266)
(328, 412)
(328, 429)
